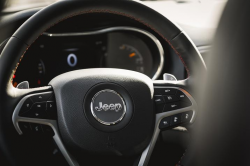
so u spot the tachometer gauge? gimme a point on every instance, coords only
(126, 51)
(125, 57)
(131, 57)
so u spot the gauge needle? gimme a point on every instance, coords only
(131, 55)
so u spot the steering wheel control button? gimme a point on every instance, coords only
(159, 100)
(36, 128)
(172, 106)
(165, 122)
(41, 97)
(175, 119)
(169, 98)
(25, 127)
(26, 106)
(166, 91)
(108, 107)
(51, 109)
(186, 117)
(172, 98)
(181, 96)
(36, 111)
(176, 105)
(36, 114)
(39, 106)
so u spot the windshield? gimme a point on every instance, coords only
(16, 5)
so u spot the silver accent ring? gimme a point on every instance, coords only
(98, 119)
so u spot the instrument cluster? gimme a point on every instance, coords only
(114, 47)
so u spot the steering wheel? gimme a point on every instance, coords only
(102, 111)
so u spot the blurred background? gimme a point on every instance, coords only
(199, 17)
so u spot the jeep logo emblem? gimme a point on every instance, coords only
(112, 107)
(108, 107)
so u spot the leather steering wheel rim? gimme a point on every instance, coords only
(23, 38)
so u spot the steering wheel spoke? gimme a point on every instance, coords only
(37, 113)
(174, 106)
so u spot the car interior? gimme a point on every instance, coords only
(124, 82)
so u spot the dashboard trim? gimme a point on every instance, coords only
(123, 28)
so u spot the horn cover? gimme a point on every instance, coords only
(106, 111)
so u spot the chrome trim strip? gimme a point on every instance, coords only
(145, 157)
(123, 28)
(52, 123)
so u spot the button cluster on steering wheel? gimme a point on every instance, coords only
(41, 106)
(175, 120)
(34, 128)
(169, 99)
